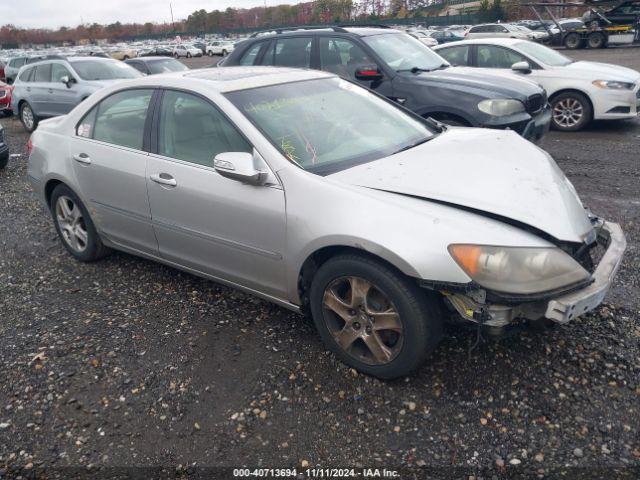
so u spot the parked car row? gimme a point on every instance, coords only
(509, 88)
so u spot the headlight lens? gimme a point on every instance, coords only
(499, 107)
(519, 270)
(614, 85)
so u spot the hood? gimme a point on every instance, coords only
(497, 172)
(496, 86)
(604, 71)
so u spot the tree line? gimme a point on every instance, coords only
(215, 21)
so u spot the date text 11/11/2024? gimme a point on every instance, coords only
(315, 473)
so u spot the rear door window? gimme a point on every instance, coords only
(27, 75)
(119, 119)
(289, 52)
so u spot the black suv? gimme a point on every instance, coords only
(401, 68)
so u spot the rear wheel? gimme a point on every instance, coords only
(372, 317)
(74, 226)
(210, 53)
(188, 54)
(571, 111)
(28, 117)
(572, 41)
(4, 160)
(596, 40)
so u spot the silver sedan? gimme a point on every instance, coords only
(325, 198)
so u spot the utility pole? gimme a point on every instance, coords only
(172, 24)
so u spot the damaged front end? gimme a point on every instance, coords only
(601, 255)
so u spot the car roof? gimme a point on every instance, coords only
(329, 31)
(229, 79)
(150, 58)
(505, 42)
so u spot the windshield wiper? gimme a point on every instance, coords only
(420, 69)
(415, 144)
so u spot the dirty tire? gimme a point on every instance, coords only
(95, 249)
(596, 40)
(4, 160)
(572, 41)
(417, 313)
(28, 117)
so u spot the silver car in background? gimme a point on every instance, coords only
(54, 87)
(320, 196)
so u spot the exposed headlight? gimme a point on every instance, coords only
(501, 106)
(519, 270)
(614, 85)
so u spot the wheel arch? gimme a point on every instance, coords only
(320, 255)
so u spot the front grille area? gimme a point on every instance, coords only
(535, 103)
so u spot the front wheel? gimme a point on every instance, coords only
(28, 117)
(372, 317)
(188, 55)
(210, 53)
(571, 111)
(224, 53)
(74, 226)
(4, 160)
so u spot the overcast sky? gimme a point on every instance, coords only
(70, 13)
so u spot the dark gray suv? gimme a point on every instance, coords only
(401, 68)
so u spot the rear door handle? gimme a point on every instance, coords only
(82, 158)
(164, 179)
(51, 90)
(28, 89)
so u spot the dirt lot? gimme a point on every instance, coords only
(127, 363)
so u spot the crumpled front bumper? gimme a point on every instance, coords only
(561, 308)
(567, 307)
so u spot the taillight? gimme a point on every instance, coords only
(29, 146)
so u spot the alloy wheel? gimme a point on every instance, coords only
(362, 320)
(72, 224)
(568, 112)
(27, 117)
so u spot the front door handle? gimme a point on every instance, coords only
(28, 89)
(82, 158)
(51, 90)
(164, 179)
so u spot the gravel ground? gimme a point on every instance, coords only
(127, 363)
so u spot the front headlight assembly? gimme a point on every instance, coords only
(500, 107)
(613, 85)
(518, 270)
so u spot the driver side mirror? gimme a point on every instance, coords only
(368, 72)
(521, 67)
(68, 81)
(239, 166)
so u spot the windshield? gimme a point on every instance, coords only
(166, 65)
(403, 52)
(328, 125)
(544, 54)
(104, 70)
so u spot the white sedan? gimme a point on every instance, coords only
(578, 91)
